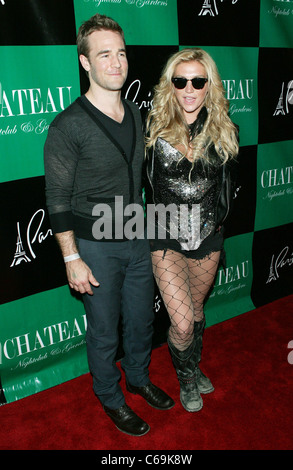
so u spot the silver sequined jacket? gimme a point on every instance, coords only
(199, 205)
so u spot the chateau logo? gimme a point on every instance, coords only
(232, 279)
(281, 9)
(285, 99)
(31, 102)
(209, 7)
(277, 182)
(277, 177)
(239, 93)
(34, 342)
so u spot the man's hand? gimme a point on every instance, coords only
(80, 276)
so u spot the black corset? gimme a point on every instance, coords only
(197, 196)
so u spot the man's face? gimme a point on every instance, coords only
(107, 64)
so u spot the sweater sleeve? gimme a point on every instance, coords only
(60, 160)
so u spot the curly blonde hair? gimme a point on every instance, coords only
(166, 119)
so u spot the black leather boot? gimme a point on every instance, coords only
(185, 366)
(204, 384)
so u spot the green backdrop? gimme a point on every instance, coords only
(42, 323)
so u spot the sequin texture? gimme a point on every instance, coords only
(195, 200)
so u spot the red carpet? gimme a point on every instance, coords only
(251, 408)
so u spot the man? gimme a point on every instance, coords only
(94, 152)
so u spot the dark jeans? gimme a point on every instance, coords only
(124, 271)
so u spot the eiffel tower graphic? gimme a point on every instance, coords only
(20, 254)
(272, 276)
(280, 109)
(208, 9)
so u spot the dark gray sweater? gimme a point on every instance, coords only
(84, 165)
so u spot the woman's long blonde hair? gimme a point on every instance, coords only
(166, 119)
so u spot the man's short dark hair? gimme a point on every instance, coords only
(95, 23)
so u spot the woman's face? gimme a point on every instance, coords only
(190, 99)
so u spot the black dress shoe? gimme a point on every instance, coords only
(154, 396)
(127, 421)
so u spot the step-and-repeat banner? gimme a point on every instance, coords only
(42, 323)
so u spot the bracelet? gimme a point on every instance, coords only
(71, 257)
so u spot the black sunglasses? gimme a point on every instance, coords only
(198, 82)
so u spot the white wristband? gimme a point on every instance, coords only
(71, 257)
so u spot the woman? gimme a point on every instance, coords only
(190, 142)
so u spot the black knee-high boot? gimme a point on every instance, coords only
(204, 384)
(185, 366)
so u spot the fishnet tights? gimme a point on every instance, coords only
(183, 284)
